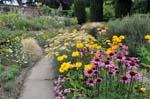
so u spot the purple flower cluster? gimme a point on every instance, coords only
(130, 76)
(60, 94)
(92, 82)
(115, 63)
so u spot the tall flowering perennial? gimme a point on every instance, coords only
(147, 37)
(95, 72)
(60, 94)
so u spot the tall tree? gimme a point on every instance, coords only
(148, 6)
(122, 7)
(96, 9)
(79, 9)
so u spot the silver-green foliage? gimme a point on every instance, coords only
(134, 28)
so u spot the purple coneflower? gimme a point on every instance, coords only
(88, 73)
(111, 73)
(120, 58)
(125, 79)
(107, 63)
(90, 82)
(134, 74)
(98, 80)
(66, 91)
(132, 65)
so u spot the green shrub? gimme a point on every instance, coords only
(9, 73)
(87, 14)
(139, 6)
(1, 68)
(96, 10)
(134, 28)
(144, 54)
(46, 10)
(109, 11)
(79, 10)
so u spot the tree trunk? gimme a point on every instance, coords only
(148, 6)
(79, 9)
(122, 8)
(96, 10)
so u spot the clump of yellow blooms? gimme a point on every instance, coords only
(65, 67)
(147, 37)
(75, 54)
(116, 39)
(61, 58)
(143, 89)
(95, 46)
(79, 45)
(78, 64)
(116, 42)
(88, 67)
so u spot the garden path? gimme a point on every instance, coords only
(39, 84)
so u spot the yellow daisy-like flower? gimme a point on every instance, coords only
(79, 45)
(109, 50)
(60, 58)
(122, 37)
(64, 56)
(98, 47)
(78, 64)
(75, 54)
(65, 67)
(114, 37)
(88, 67)
(147, 37)
(107, 41)
(142, 89)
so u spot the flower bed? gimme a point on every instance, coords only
(90, 71)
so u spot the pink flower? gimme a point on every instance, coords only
(134, 74)
(132, 65)
(68, 90)
(120, 58)
(90, 82)
(88, 73)
(58, 97)
(108, 63)
(111, 73)
(98, 80)
(125, 79)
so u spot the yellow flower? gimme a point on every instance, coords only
(92, 46)
(122, 37)
(114, 47)
(108, 41)
(114, 37)
(61, 70)
(75, 31)
(79, 45)
(60, 58)
(64, 56)
(75, 54)
(142, 89)
(78, 64)
(88, 67)
(65, 67)
(108, 51)
(98, 47)
(147, 37)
